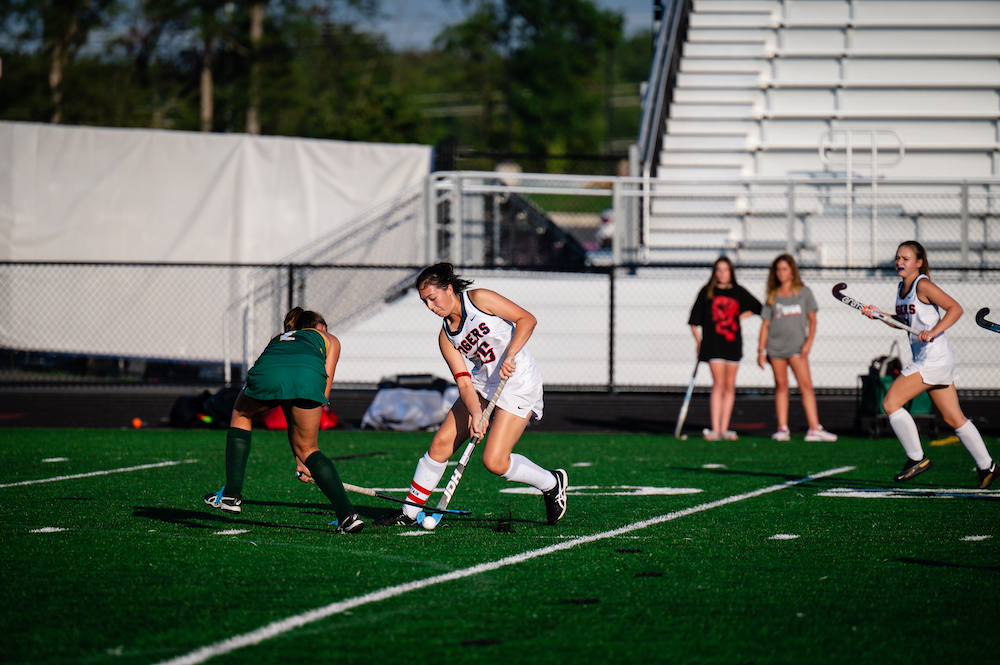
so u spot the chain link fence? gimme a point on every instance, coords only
(611, 292)
(148, 323)
(599, 328)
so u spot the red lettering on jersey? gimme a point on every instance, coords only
(471, 345)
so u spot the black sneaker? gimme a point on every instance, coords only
(351, 524)
(911, 469)
(396, 519)
(555, 498)
(230, 504)
(987, 476)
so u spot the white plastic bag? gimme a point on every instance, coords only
(408, 410)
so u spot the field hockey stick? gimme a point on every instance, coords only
(687, 402)
(370, 492)
(983, 323)
(463, 461)
(838, 293)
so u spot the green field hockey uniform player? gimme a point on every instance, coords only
(294, 372)
(293, 366)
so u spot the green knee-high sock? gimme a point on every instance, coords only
(237, 453)
(325, 474)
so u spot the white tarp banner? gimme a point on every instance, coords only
(82, 194)
(98, 194)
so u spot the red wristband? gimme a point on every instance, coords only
(461, 374)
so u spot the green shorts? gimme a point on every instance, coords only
(287, 382)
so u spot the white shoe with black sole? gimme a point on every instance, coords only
(230, 504)
(351, 524)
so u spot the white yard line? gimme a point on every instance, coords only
(905, 493)
(99, 473)
(291, 623)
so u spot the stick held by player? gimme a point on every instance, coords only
(715, 323)
(294, 372)
(919, 304)
(487, 330)
(983, 322)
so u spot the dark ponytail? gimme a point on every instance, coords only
(441, 275)
(300, 319)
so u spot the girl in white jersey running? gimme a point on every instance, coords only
(919, 304)
(489, 331)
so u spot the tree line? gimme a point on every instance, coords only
(542, 78)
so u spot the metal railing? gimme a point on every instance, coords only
(659, 87)
(832, 220)
(617, 318)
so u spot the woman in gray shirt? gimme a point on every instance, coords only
(786, 337)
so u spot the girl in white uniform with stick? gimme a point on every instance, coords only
(490, 331)
(919, 304)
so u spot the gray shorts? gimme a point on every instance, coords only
(783, 351)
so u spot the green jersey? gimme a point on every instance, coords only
(293, 366)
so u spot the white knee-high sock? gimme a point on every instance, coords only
(970, 437)
(523, 470)
(906, 431)
(425, 480)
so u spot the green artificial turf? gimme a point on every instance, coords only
(143, 572)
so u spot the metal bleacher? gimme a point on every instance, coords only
(863, 92)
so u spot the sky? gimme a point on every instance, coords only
(413, 24)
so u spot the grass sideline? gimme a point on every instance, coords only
(130, 567)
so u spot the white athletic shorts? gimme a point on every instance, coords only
(520, 399)
(934, 375)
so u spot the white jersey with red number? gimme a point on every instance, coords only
(483, 339)
(922, 316)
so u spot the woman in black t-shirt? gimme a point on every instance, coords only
(715, 324)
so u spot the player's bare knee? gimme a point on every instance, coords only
(440, 450)
(954, 421)
(890, 406)
(495, 465)
(304, 450)
(240, 420)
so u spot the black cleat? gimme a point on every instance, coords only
(396, 519)
(230, 504)
(555, 498)
(987, 476)
(911, 469)
(350, 524)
